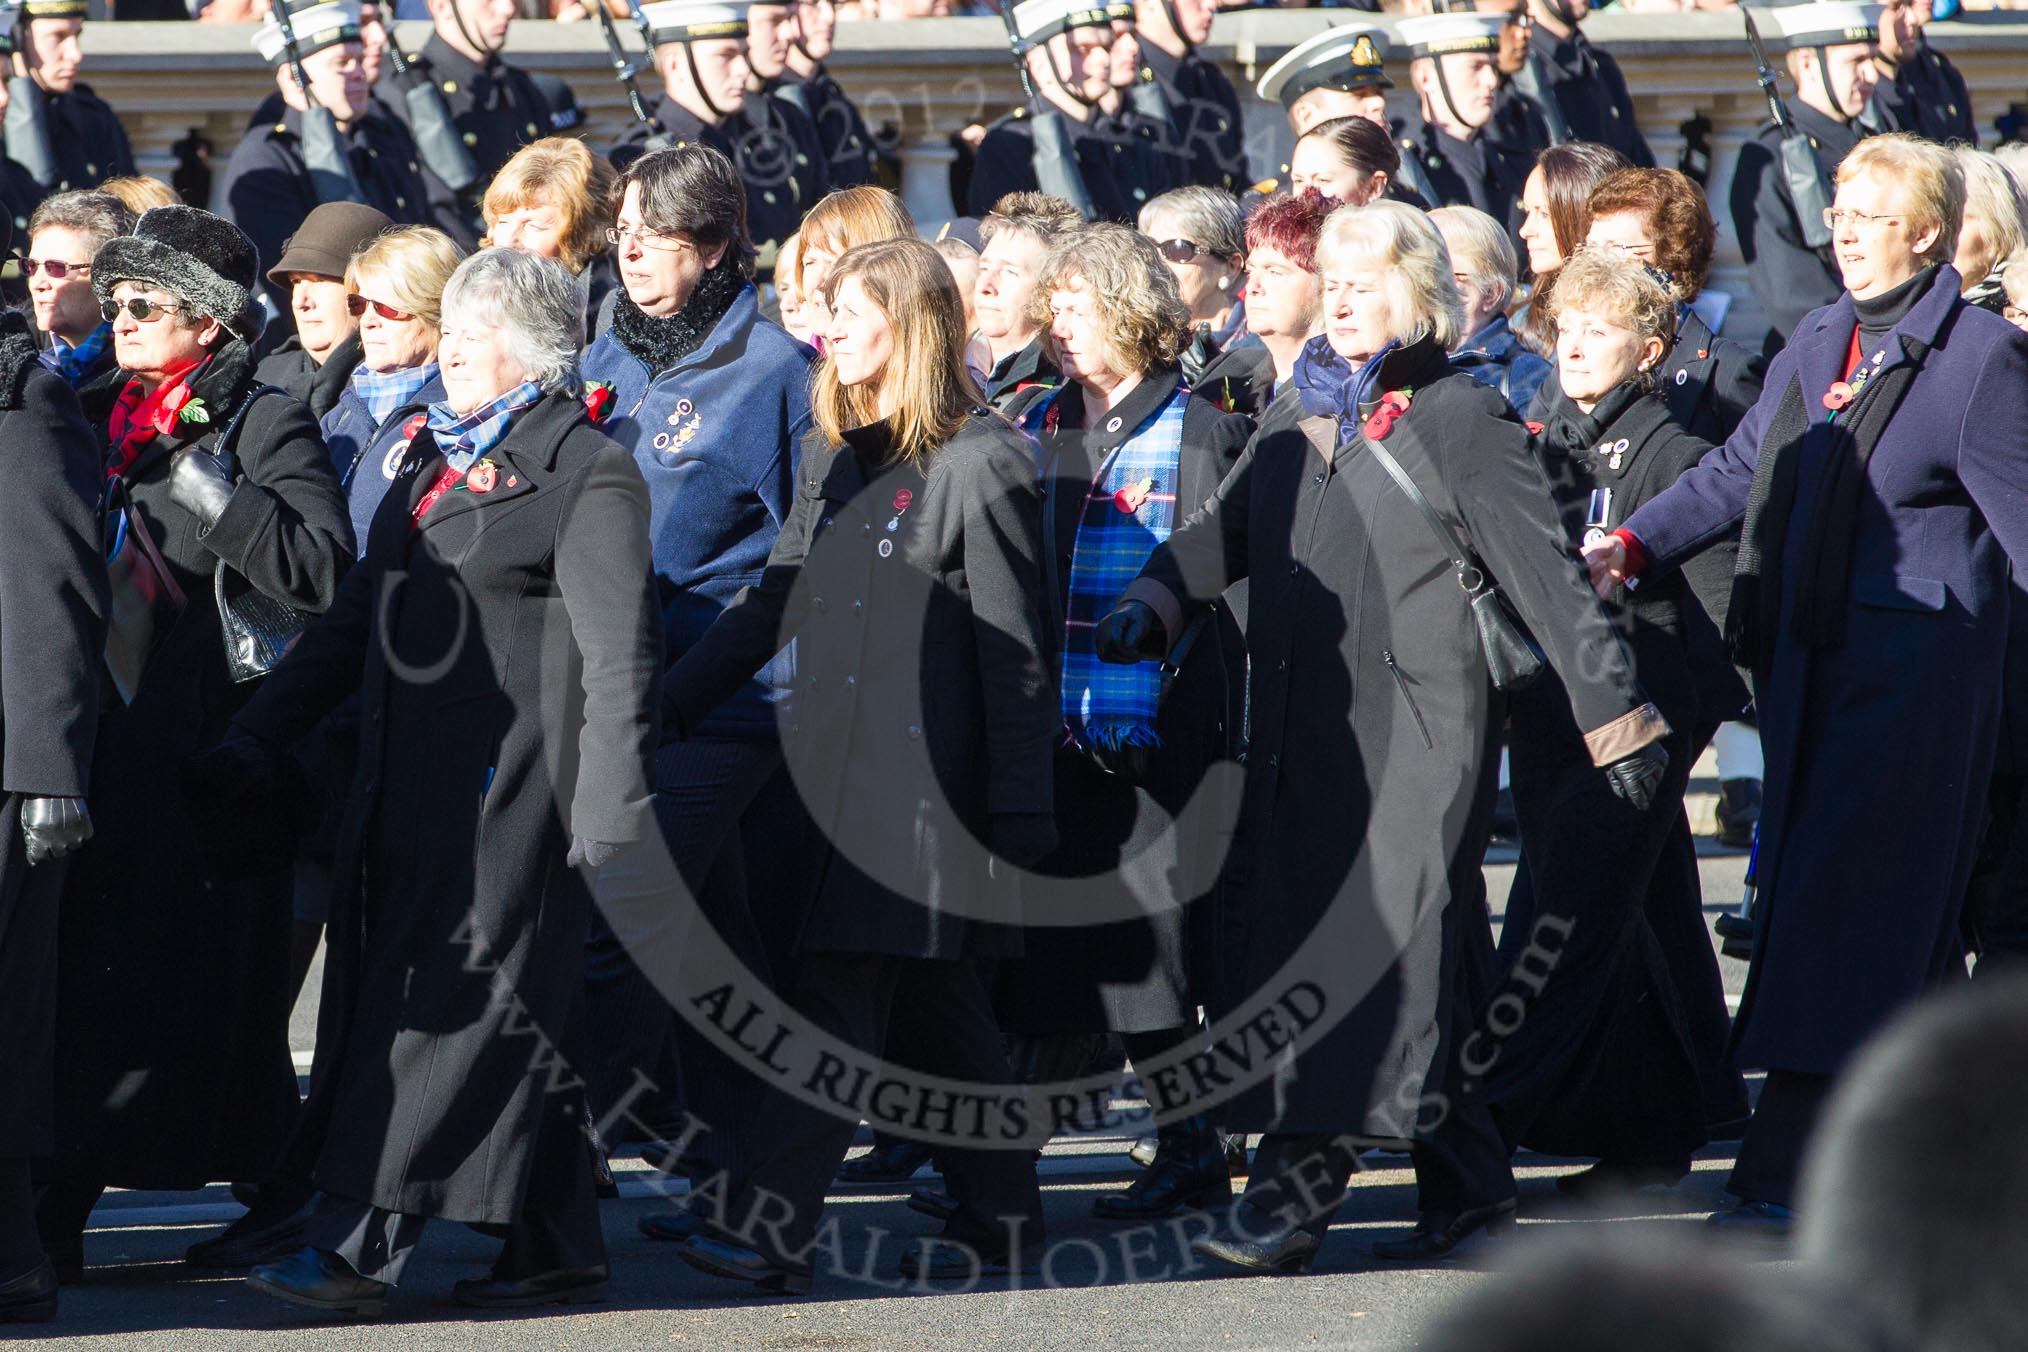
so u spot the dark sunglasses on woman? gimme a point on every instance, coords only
(1179, 250)
(356, 304)
(55, 267)
(140, 307)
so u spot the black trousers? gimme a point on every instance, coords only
(713, 799)
(1771, 1153)
(796, 1147)
(377, 1242)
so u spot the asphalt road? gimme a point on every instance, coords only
(1124, 1289)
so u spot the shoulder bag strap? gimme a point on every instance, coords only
(1461, 558)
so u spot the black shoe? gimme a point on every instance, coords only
(564, 1286)
(1738, 812)
(1190, 1173)
(29, 1298)
(1608, 1178)
(320, 1280)
(935, 1203)
(662, 1157)
(679, 1226)
(893, 1162)
(1255, 1241)
(949, 1261)
(247, 1195)
(1754, 1220)
(1437, 1235)
(260, 1236)
(723, 1258)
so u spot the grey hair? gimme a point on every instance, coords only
(1994, 197)
(1480, 247)
(1209, 218)
(534, 300)
(98, 216)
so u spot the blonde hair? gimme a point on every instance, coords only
(1414, 263)
(1147, 323)
(409, 266)
(925, 379)
(140, 192)
(1995, 200)
(850, 217)
(1928, 173)
(1622, 289)
(1479, 246)
(557, 171)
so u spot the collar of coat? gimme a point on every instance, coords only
(532, 445)
(1822, 345)
(447, 62)
(1140, 404)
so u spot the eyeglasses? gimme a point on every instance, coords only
(356, 305)
(1836, 217)
(648, 239)
(1179, 250)
(54, 267)
(140, 307)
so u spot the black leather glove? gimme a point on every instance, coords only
(199, 484)
(1131, 632)
(1636, 777)
(1022, 838)
(591, 853)
(54, 827)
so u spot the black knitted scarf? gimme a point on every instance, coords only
(663, 342)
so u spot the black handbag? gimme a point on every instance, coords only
(1512, 657)
(258, 629)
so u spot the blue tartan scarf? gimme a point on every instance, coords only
(1128, 511)
(385, 391)
(75, 364)
(464, 437)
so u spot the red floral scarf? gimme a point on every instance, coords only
(138, 418)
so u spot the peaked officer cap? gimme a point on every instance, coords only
(1350, 56)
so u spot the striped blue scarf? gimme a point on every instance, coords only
(75, 364)
(385, 391)
(464, 437)
(1128, 511)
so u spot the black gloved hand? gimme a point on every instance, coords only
(1022, 838)
(1131, 632)
(200, 485)
(54, 827)
(591, 853)
(1636, 777)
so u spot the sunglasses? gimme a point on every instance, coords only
(1179, 250)
(140, 307)
(55, 268)
(355, 305)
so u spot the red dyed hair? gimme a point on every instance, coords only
(1290, 224)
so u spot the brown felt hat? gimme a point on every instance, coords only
(327, 239)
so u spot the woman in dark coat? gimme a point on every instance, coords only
(909, 576)
(490, 768)
(172, 1056)
(52, 642)
(1604, 1064)
(1123, 422)
(1881, 479)
(1361, 944)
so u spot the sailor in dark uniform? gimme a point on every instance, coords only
(1576, 87)
(63, 134)
(1830, 58)
(1917, 88)
(1189, 96)
(770, 37)
(1458, 86)
(268, 187)
(1119, 160)
(853, 154)
(700, 49)
(1341, 72)
(496, 108)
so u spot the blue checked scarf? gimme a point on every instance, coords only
(385, 391)
(463, 438)
(1104, 704)
(75, 364)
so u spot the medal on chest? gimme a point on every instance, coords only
(390, 464)
(903, 500)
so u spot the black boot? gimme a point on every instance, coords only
(1189, 1173)
(1258, 1241)
(888, 1162)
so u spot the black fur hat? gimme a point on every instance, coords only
(204, 259)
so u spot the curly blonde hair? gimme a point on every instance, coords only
(1623, 289)
(1147, 322)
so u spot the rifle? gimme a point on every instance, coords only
(27, 123)
(1055, 161)
(1807, 189)
(429, 118)
(324, 157)
(625, 69)
(1536, 90)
